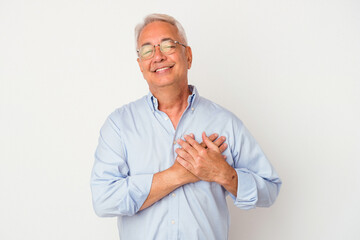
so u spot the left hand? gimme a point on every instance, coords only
(206, 163)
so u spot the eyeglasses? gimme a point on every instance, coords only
(167, 47)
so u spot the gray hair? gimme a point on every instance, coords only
(163, 18)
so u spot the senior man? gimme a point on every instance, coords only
(155, 167)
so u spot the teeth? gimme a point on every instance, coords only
(160, 69)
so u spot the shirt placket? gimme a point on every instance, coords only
(173, 199)
(174, 202)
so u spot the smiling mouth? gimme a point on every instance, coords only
(163, 69)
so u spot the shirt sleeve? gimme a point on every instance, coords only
(258, 182)
(114, 190)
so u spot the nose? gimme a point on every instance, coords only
(158, 55)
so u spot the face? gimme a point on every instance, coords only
(164, 70)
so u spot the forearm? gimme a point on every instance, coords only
(166, 181)
(122, 196)
(228, 178)
(162, 184)
(254, 190)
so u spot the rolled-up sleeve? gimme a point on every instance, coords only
(258, 182)
(114, 191)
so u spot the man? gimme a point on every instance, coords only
(155, 167)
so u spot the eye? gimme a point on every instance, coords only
(146, 51)
(168, 46)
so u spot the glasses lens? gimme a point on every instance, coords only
(167, 46)
(146, 51)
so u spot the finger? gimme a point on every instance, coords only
(193, 143)
(184, 163)
(187, 147)
(219, 141)
(212, 137)
(183, 154)
(209, 143)
(223, 147)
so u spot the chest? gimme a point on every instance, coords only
(150, 141)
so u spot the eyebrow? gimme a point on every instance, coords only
(162, 40)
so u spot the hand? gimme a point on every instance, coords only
(185, 174)
(219, 142)
(206, 163)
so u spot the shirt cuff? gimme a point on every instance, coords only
(139, 189)
(247, 191)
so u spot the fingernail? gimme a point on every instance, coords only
(216, 135)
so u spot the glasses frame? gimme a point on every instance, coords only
(154, 48)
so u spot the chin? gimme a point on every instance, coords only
(163, 82)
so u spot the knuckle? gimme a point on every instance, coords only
(202, 152)
(180, 151)
(186, 147)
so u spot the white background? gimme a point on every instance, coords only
(289, 69)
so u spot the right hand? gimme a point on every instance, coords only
(185, 174)
(220, 142)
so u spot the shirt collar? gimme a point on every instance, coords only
(192, 99)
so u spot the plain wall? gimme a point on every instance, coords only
(288, 69)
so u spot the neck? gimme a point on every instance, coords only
(172, 100)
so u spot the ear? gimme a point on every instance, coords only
(189, 56)
(138, 60)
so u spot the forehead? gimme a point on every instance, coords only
(155, 32)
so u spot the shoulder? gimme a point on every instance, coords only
(129, 108)
(128, 112)
(214, 110)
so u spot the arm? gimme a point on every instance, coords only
(167, 181)
(259, 184)
(116, 192)
(252, 182)
(207, 163)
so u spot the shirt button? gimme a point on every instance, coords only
(172, 222)
(173, 194)
(174, 142)
(166, 118)
(192, 109)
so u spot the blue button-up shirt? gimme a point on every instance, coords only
(137, 141)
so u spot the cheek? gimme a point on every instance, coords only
(143, 67)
